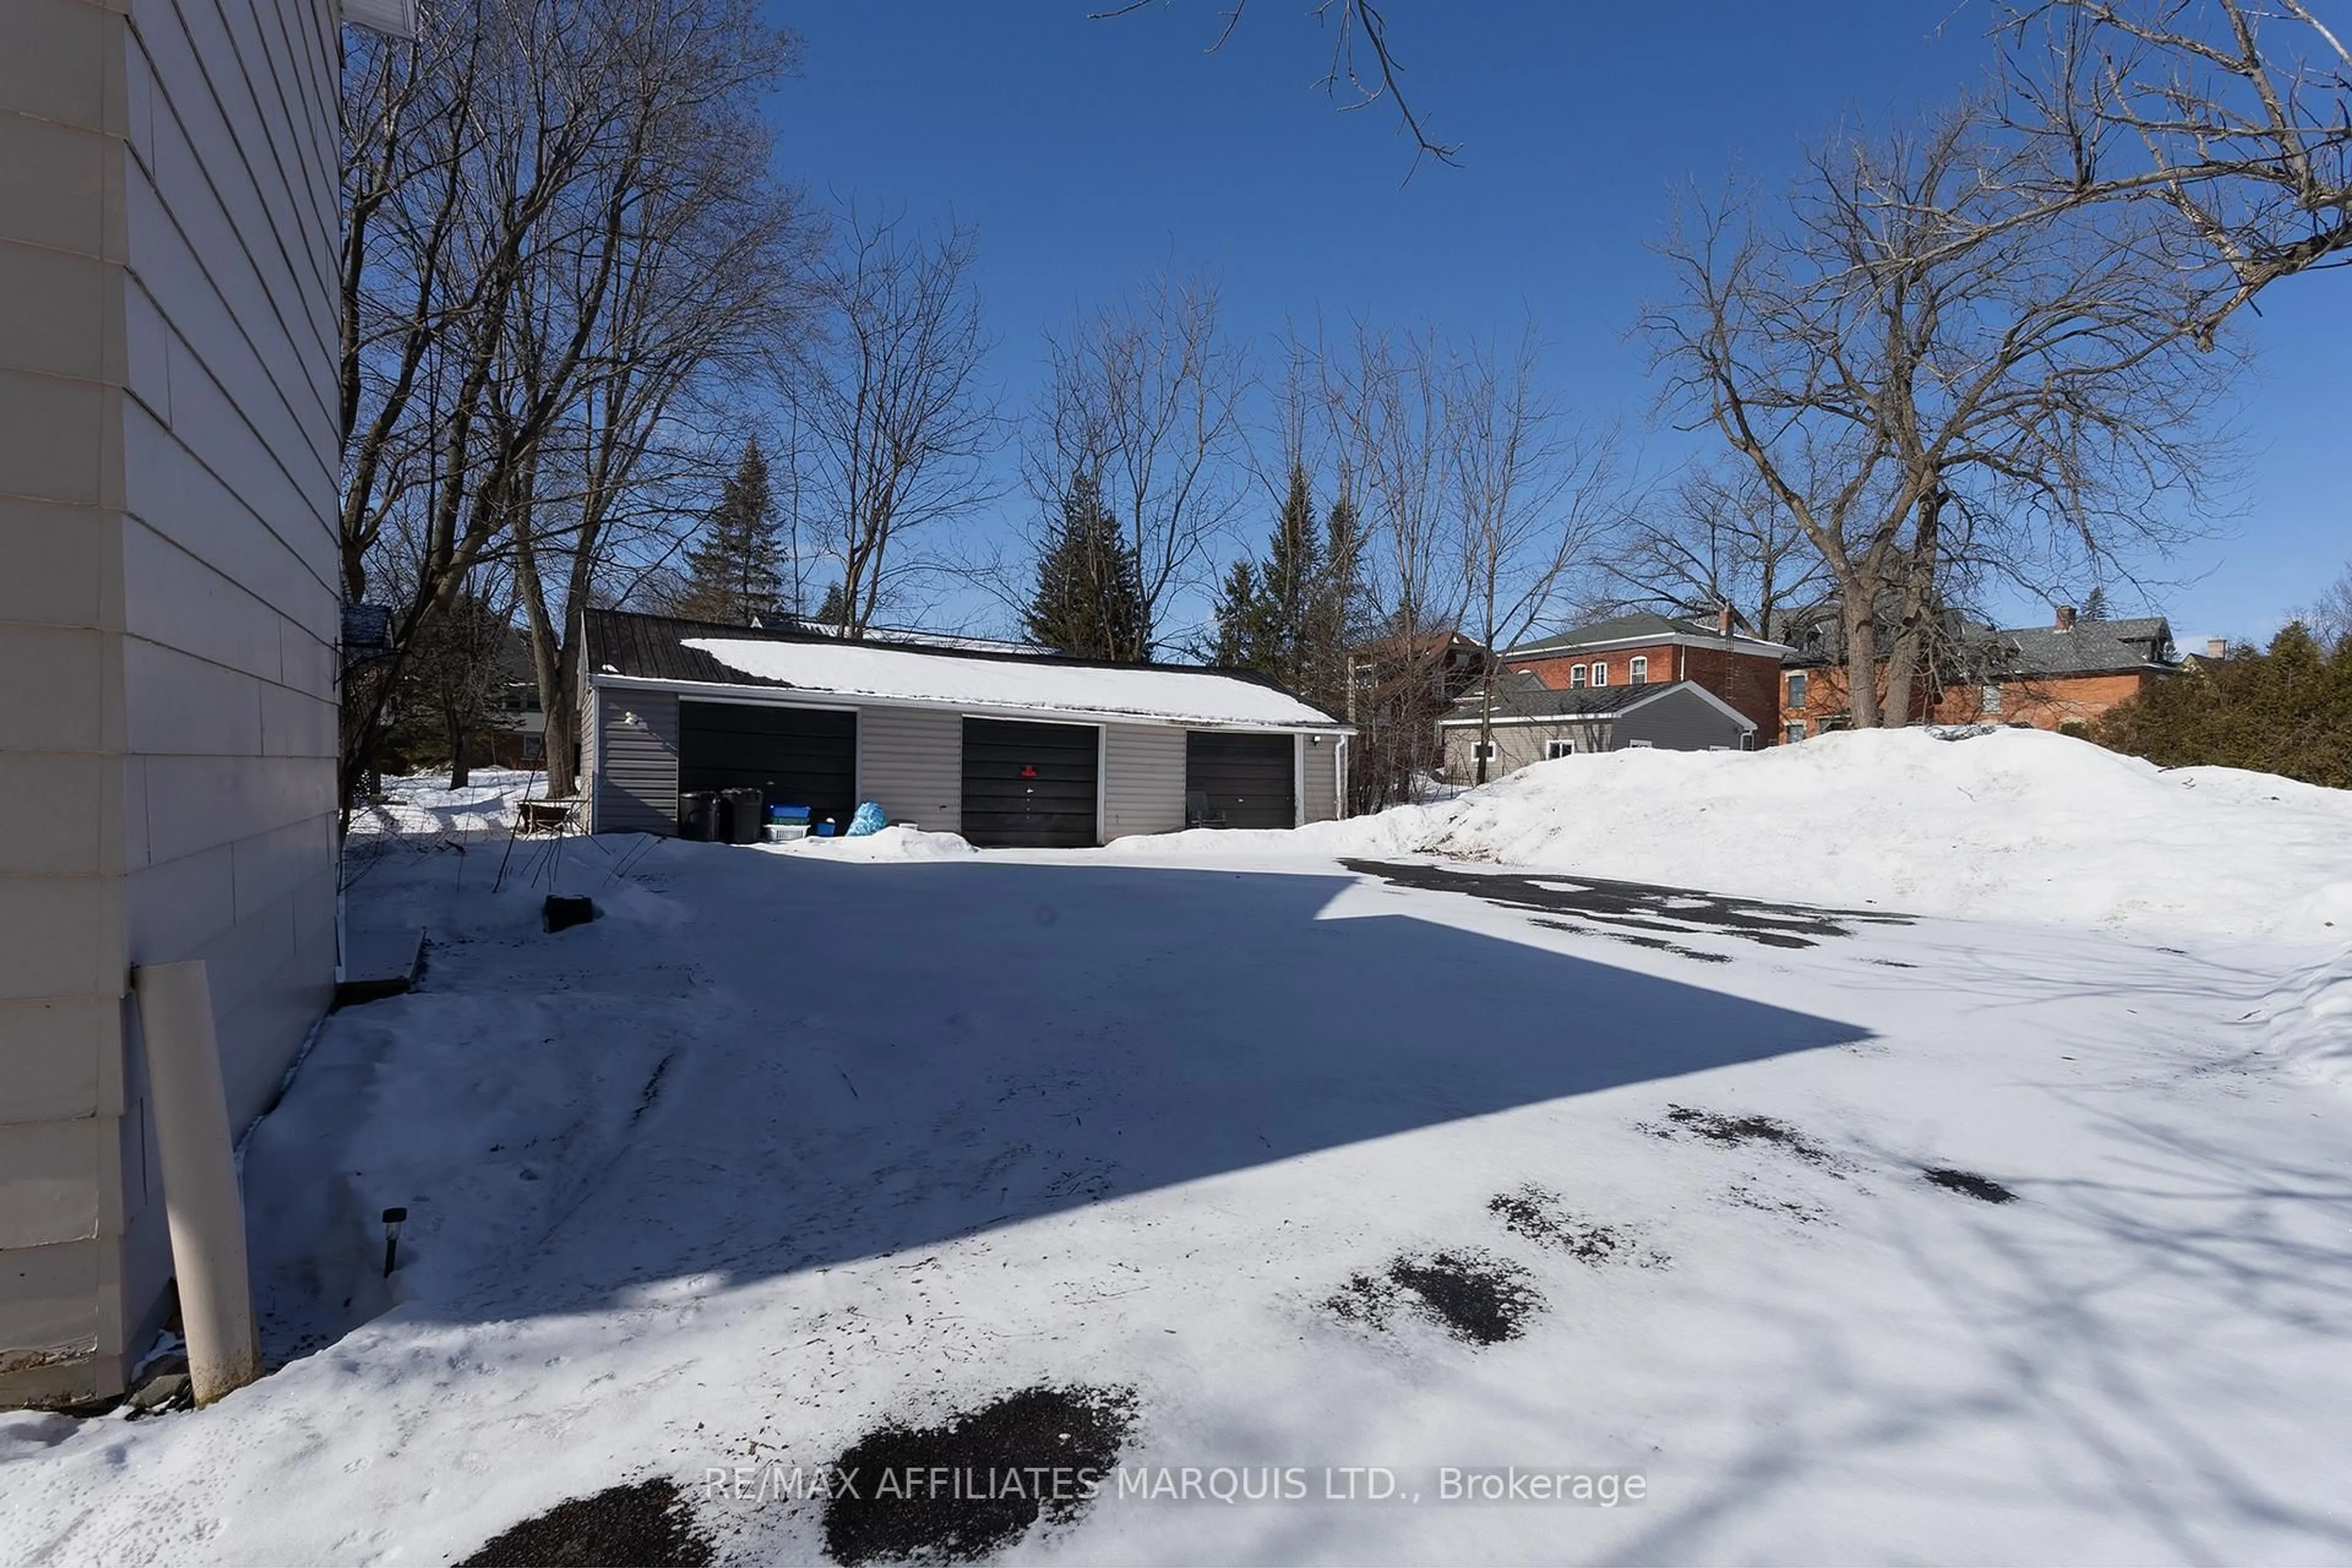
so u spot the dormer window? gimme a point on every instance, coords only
(1575, 676)
(1600, 674)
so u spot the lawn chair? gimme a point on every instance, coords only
(545, 815)
(1197, 813)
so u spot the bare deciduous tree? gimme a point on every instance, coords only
(504, 177)
(2330, 617)
(1923, 382)
(1385, 394)
(1532, 495)
(2234, 116)
(1145, 396)
(1717, 537)
(891, 416)
(1363, 64)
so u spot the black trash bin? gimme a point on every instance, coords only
(745, 812)
(698, 815)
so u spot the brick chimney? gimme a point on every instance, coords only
(2066, 617)
(1723, 620)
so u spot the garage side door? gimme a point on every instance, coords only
(1251, 780)
(1029, 786)
(794, 756)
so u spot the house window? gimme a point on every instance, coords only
(1485, 751)
(1747, 740)
(1797, 691)
(1640, 673)
(1640, 745)
(1600, 675)
(1559, 748)
(1988, 698)
(1575, 675)
(1796, 730)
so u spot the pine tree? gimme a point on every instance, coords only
(2285, 711)
(735, 567)
(1284, 617)
(834, 610)
(1240, 619)
(1089, 600)
(1336, 611)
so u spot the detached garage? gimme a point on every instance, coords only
(1009, 750)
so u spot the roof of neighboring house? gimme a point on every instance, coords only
(2087, 648)
(1526, 698)
(670, 651)
(1641, 627)
(911, 635)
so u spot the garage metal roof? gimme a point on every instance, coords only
(669, 651)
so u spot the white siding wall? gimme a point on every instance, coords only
(911, 762)
(1143, 779)
(167, 609)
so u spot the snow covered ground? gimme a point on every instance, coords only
(788, 1146)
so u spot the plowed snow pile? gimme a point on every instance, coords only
(2011, 825)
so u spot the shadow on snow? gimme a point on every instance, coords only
(869, 1058)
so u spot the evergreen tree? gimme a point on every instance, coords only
(1290, 617)
(1240, 619)
(1089, 600)
(834, 610)
(735, 566)
(2286, 711)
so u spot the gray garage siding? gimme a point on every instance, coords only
(1319, 778)
(910, 761)
(1143, 780)
(636, 761)
(1680, 721)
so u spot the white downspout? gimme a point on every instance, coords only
(202, 1206)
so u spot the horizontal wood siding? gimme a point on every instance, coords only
(1321, 769)
(1143, 780)
(910, 762)
(1516, 745)
(637, 761)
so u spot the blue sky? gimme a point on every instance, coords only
(1090, 152)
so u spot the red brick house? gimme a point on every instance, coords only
(1643, 648)
(2068, 672)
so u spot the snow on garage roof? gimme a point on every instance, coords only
(901, 674)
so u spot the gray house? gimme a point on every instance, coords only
(1006, 748)
(1533, 723)
(169, 583)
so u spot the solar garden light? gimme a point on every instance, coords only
(393, 1218)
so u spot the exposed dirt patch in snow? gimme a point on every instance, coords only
(1477, 1298)
(1544, 1218)
(1636, 939)
(1969, 1183)
(1641, 912)
(645, 1524)
(1736, 1132)
(1787, 1208)
(1004, 1457)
